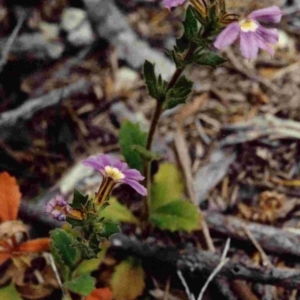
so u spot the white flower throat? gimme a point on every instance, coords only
(114, 173)
(248, 25)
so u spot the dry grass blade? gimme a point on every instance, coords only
(54, 268)
(185, 161)
(265, 260)
(185, 285)
(223, 261)
(10, 41)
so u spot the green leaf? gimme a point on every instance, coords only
(87, 249)
(150, 79)
(109, 228)
(175, 56)
(88, 266)
(62, 247)
(75, 222)
(64, 269)
(179, 93)
(155, 85)
(208, 58)
(161, 88)
(117, 212)
(190, 24)
(106, 228)
(202, 20)
(167, 186)
(181, 47)
(82, 285)
(79, 200)
(131, 135)
(128, 280)
(9, 293)
(177, 215)
(145, 154)
(213, 15)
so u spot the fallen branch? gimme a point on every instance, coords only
(34, 45)
(270, 238)
(242, 68)
(266, 126)
(34, 214)
(204, 263)
(31, 106)
(111, 24)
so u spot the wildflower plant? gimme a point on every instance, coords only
(252, 34)
(79, 247)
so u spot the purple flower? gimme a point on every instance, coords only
(114, 171)
(172, 3)
(252, 35)
(58, 208)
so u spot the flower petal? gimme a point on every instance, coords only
(265, 46)
(136, 186)
(269, 14)
(93, 163)
(227, 36)
(122, 166)
(249, 44)
(106, 160)
(172, 3)
(269, 35)
(133, 174)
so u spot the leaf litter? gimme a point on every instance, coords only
(236, 140)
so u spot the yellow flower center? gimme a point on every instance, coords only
(114, 173)
(248, 25)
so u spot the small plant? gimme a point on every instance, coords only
(80, 247)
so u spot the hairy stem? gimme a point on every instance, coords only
(157, 112)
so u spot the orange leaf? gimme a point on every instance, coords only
(10, 197)
(38, 245)
(4, 257)
(100, 294)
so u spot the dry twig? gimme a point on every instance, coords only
(10, 41)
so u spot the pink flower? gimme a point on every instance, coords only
(172, 3)
(252, 35)
(114, 171)
(58, 208)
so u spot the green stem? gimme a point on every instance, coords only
(154, 122)
(155, 118)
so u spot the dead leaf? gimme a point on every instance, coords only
(127, 282)
(191, 108)
(293, 182)
(4, 257)
(10, 197)
(37, 245)
(100, 294)
(270, 207)
(32, 291)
